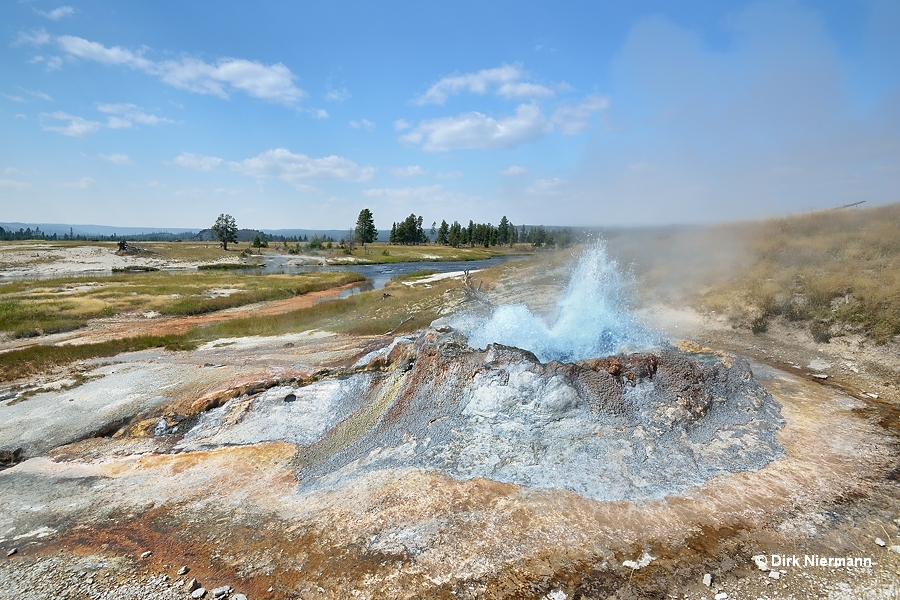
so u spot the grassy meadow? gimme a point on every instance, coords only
(34, 307)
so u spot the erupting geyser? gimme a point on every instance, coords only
(595, 317)
(540, 405)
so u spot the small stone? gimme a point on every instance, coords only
(239, 597)
(198, 593)
(183, 570)
(290, 397)
(721, 596)
(761, 563)
(895, 549)
(820, 375)
(12, 551)
(707, 580)
(774, 574)
(880, 542)
(147, 554)
(192, 585)
(221, 591)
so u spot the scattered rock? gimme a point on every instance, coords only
(761, 563)
(183, 570)
(721, 596)
(820, 375)
(147, 554)
(707, 580)
(219, 592)
(556, 595)
(895, 549)
(198, 593)
(288, 345)
(290, 397)
(192, 585)
(239, 597)
(880, 542)
(774, 574)
(12, 551)
(640, 563)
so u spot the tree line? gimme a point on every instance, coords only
(411, 231)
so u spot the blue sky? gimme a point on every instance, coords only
(298, 115)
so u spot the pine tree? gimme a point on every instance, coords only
(225, 229)
(365, 231)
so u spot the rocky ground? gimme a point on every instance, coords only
(314, 465)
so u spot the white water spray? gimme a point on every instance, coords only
(595, 317)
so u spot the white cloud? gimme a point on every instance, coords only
(53, 62)
(337, 95)
(19, 186)
(21, 116)
(274, 83)
(57, 13)
(37, 37)
(416, 199)
(514, 171)
(117, 159)
(37, 94)
(82, 184)
(405, 193)
(196, 161)
(363, 124)
(401, 124)
(295, 169)
(545, 186)
(118, 123)
(475, 130)
(506, 78)
(132, 113)
(319, 113)
(13, 98)
(411, 171)
(13, 171)
(573, 119)
(76, 127)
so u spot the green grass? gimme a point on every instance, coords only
(29, 308)
(227, 267)
(382, 252)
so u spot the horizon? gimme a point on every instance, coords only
(607, 115)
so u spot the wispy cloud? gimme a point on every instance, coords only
(474, 130)
(117, 159)
(401, 124)
(13, 98)
(11, 184)
(274, 83)
(363, 124)
(131, 113)
(82, 184)
(411, 171)
(57, 13)
(572, 119)
(514, 171)
(37, 37)
(340, 95)
(37, 94)
(195, 161)
(297, 169)
(76, 126)
(506, 80)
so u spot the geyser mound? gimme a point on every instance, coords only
(594, 317)
(621, 427)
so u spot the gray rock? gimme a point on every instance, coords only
(239, 597)
(192, 585)
(147, 554)
(198, 593)
(774, 574)
(221, 591)
(880, 542)
(183, 570)
(707, 580)
(12, 551)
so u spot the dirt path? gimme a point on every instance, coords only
(133, 325)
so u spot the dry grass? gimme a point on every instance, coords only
(836, 271)
(382, 252)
